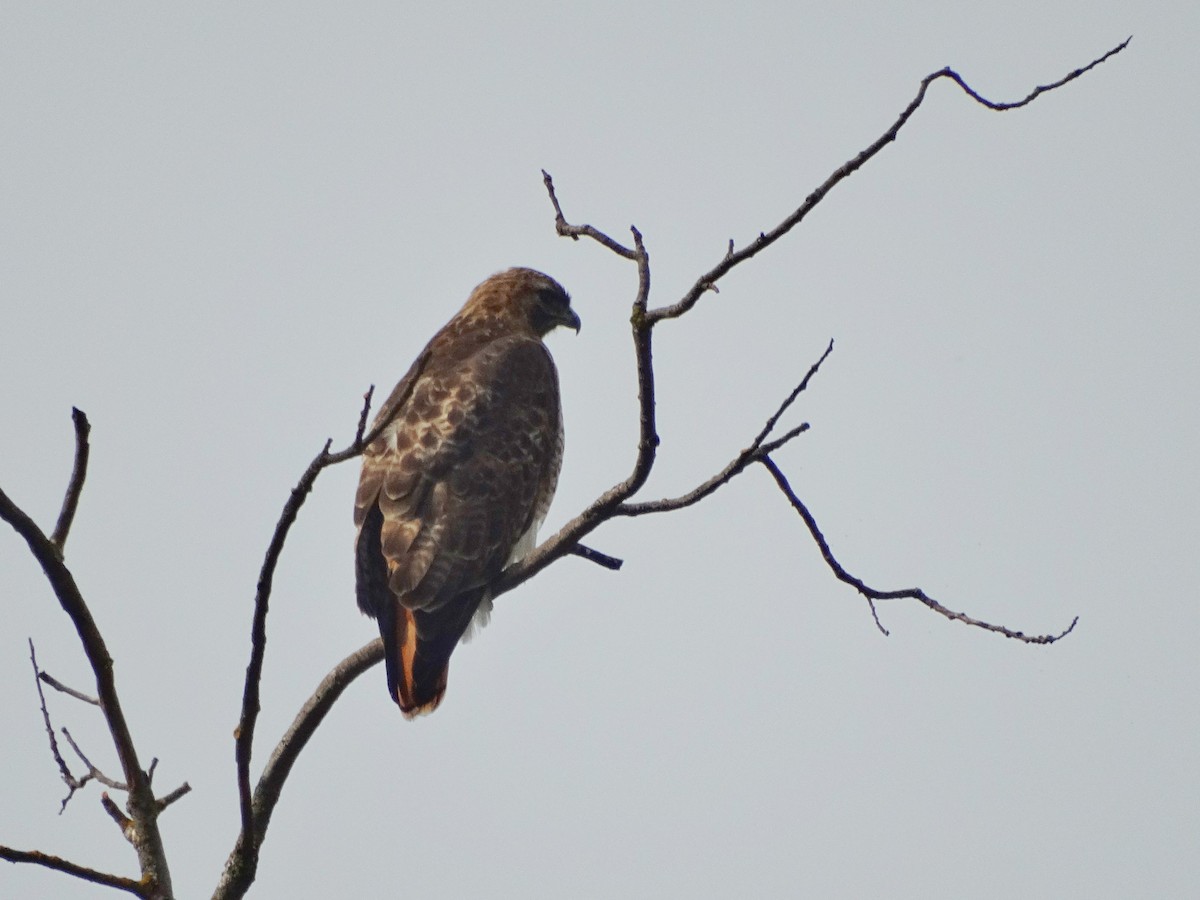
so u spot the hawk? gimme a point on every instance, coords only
(454, 488)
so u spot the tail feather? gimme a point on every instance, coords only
(417, 647)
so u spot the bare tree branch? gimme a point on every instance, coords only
(123, 822)
(75, 486)
(910, 593)
(1037, 91)
(738, 464)
(59, 864)
(643, 319)
(64, 689)
(734, 257)
(242, 865)
(362, 419)
(875, 616)
(169, 798)
(152, 858)
(257, 805)
(73, 784)
(93, 772)
(244, 733)
(600, 559)
(575, 232)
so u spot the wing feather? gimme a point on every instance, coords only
(464, 469)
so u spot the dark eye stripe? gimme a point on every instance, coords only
(552, 297)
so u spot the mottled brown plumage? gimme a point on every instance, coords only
(455, 487)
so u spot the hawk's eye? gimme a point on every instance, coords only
(552, 300)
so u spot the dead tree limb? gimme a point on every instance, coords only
(644, 318)
(873, 594)
(146, 837)
(95, 876)
(73, 784)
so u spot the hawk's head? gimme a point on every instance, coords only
(526, 298)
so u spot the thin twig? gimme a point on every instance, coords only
(875, 616)
(906, 593)
(69, 691)
(575, 232)
(1037, 91)
(786, 437)
(73, 784)
(739, 463)
(92, 770)
(613, 502)
(363, 416)
(167, 799)
(600, 559)
(791, 398)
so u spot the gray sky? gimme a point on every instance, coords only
(219, 223)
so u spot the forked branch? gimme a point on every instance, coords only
(616, 501)
(257, 804)
(47, 550)
(644, 318)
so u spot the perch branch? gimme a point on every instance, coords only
(604, 506)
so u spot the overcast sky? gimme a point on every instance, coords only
(219, 223)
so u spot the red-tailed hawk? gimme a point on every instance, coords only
(454, 489)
